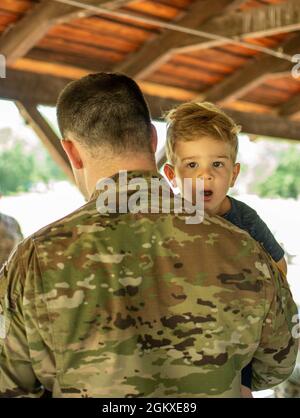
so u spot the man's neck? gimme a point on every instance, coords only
(128, 164)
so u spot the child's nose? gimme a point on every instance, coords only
(205, 174)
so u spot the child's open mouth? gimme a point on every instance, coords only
(207, 195)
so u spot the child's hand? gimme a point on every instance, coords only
(246, 392)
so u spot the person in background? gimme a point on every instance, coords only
(10, 236)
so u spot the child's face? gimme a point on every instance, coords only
(209, 159)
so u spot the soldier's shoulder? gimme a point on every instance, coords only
(64, 224)
(234, 237)
(224, 226)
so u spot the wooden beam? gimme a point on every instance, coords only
(291, 107)
(21, 37)
(253, 23)
(252, 74)
(25, 86)
(267, 125)
(46, 134)
(149, 56)
(51, 68)
(70, 72)
(42, 89)
(159, 105)
(235, 5)
(250, 107)
(252, 123)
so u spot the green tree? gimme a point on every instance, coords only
(285, 180)
(21, 168)
(17, 170)
(48, 170)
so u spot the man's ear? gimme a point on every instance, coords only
(236, 171)
(153, 138)
(72, 153)
(170, 174)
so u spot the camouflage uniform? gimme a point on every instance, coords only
(142, 305)
(291, 387)
(10, 236)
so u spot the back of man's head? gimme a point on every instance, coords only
(105, 109)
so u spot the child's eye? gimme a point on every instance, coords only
(192, 165)
(218, 164)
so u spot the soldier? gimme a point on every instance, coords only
(127, 303)
(10, 236)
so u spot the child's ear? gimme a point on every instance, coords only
(170, 174)
(236, 171)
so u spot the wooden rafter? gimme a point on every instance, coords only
(24, 86)
(142, 62)
(252, 123)
(257, 22)
(266, 125)
(46, 134)
(44, 89)
(291, 107)
(26, 33)
(253, 23)
(66, 71)
(252, 74)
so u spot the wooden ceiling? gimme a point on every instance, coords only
(46, 43)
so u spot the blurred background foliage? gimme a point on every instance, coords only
(22, 166)
(284, 181)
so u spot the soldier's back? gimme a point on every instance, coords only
(146, 304)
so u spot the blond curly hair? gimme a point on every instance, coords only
(193, 120)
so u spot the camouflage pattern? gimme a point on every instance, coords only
(142, 305)
(290, 388)
(10, 236)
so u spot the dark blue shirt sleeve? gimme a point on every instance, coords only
(247, 376)
(247, 218)
(262, 234)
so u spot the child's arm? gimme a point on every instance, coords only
(247, 218)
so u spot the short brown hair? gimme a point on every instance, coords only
(105, 109)
(192, 120)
